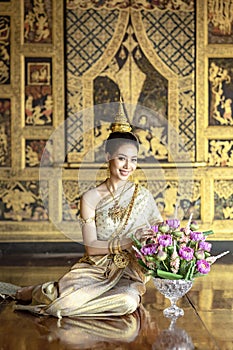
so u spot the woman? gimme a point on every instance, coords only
(106, 281)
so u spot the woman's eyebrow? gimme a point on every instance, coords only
(124, 155)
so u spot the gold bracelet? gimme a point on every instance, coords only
(114, 240)
(119, 245)
(110, 246)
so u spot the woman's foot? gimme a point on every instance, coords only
(25, 293)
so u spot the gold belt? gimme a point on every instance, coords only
(121, 260)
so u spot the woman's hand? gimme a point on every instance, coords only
(144, 233)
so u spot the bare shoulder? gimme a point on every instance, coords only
(93, 195)
(90, 197)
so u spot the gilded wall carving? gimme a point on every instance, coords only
(38, 21)
(220, 22)
(223, 199)
(172, 64)
(138, 59)
(5, 132)
(38, 91)
(5, 49)
(20, 200)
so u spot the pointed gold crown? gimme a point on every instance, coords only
(121, 123)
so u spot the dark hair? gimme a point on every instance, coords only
(116, 139)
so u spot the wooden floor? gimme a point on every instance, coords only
(207, 322)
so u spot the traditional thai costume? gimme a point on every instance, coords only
(103, 285)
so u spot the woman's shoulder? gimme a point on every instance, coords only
(93, 194)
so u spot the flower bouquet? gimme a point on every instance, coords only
(174, 256)
(169, 251)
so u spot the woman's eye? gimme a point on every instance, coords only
(134, 160)
(121, 158)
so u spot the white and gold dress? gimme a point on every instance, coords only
(95, 286)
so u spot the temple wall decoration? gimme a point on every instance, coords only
(64, 66)
(5, 49)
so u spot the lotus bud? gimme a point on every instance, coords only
(164, 228)
(177, 233)
(200, 254)
(194, 226)
(161, 255)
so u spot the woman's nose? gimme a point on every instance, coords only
(126, 165)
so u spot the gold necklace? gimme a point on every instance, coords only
(122, 258)
(117, 212)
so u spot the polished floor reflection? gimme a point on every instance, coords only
(207, 322)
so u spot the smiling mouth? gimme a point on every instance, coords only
(124, 172)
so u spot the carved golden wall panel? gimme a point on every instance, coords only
(171, 63)
(29, 115)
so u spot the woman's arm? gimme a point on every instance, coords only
(92, 245)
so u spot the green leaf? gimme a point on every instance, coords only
(142, 264)
(183, 267)
(189, 274)
(207, 254)
(164, 264)
(207, 233)
(136, 242)
(169, 275)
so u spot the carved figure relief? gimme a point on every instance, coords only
(5, 132)
(38, 21)
(35, 149)
(4, 50)
(220, 91)
(177, 199)
(220, 21)
(136, 4)
(220, 153)
(38, 92)
(223, 200)
(21, 201)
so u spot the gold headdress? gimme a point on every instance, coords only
(121, 123)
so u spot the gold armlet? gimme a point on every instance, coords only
(86, 221)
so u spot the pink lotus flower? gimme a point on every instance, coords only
(197, 236)
(206, 246)
(155, 228)
(165, 240)
(149, 249)
(203, 266)
(173, 223)
(186, 253)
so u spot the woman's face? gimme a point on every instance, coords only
(123, 162)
